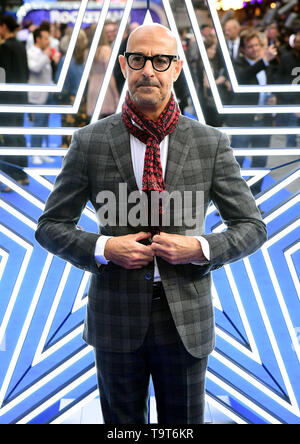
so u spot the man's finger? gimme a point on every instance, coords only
(161, 238)
(147, 251)
(159, 249)
(141, 235)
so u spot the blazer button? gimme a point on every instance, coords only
(148, 276)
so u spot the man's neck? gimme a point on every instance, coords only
(252, 61)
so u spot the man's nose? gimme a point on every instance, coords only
(148, 69)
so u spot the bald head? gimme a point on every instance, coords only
(152, 32)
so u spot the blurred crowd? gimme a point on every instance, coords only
(36, 54)
(260, 56)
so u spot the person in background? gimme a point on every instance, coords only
(40, 73)
(253, 68)
(95, 81)
(13, 62)
(53, 37)
(232, 30)
(206, 31)
(71, 86)
(54, 43)
(65, 40)
(272, 34)
(111, 30)
(212, 116)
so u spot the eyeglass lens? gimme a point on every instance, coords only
(159, 62)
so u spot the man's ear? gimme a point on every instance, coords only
(123, 63)
(177, 70)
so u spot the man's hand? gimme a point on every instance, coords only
(177, 249)
(271, 53)
(47, 52)
(127, 252)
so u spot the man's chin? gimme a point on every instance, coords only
(145, 99)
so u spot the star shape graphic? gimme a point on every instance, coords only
(251, 376)
(52, 342)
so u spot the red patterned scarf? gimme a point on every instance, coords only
(151, 133)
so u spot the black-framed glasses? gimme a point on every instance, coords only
(160, 62)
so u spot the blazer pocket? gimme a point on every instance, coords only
(203, 286)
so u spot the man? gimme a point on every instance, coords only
(111, 29)
(206, 31)
(253, 68)
(232, 30)
(149, 306)
(13, 63)
(40, 73)
(273, 34)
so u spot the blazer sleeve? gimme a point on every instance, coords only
(246, 231)
(57, 229)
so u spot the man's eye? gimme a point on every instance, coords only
(137, 58)
(161, 61)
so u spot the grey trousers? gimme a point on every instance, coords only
(178, 378)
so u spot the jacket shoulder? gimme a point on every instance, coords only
(200, 128)
(101, 126)
(97, 136)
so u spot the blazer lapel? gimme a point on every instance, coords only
(179, 145)
(120, 145)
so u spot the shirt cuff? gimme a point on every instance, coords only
(205, 249)
(99, 250)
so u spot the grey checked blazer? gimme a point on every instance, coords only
(119, 300)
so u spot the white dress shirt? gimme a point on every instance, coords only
(138, 150)
(40, 73)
